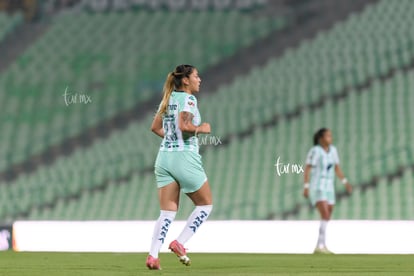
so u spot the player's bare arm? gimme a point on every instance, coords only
(306, 180)
(340, 175)
(185, 123)
(156, 126)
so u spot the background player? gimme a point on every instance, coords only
(322, 163)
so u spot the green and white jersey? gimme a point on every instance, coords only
(174, 138)
(323, 167)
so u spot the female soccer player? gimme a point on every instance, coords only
(178, 165)
(321, 162)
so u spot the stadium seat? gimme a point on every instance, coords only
(370, 126)
(105, 56)
(9, 22)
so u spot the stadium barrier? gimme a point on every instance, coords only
(343, 237)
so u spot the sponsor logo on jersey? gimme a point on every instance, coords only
(172, 107)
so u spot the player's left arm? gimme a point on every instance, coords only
(306, 177)
(156, 126)
(339, 173)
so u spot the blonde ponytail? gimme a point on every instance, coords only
(173, 81)
(167, 90)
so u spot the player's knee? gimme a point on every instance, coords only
(169, 206)
(204, 202)
(209, 201)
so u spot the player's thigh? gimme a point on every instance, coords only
(169, 196)
(323, 208)
(330, 208)
(168, 187)
(331, 200)
(316, 195)
(320, 199)
(202, 196)
(189, 172)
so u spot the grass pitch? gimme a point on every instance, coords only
(103, 264)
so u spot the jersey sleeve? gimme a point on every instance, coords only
(335, 156)
(312, 157)
(189, 104)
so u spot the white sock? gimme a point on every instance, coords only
(160, 231)
(197, 217)
(322, 233)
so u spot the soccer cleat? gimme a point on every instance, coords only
(179, 250)
(322, 250)
(153, 263)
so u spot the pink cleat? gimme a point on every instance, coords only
(153, 263)
(179, 250)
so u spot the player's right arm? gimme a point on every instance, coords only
(306, 179)
(156, 126)
(311, 160)
(185, 123)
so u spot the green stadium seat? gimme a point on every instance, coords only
(109, 50)
(372, 139)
